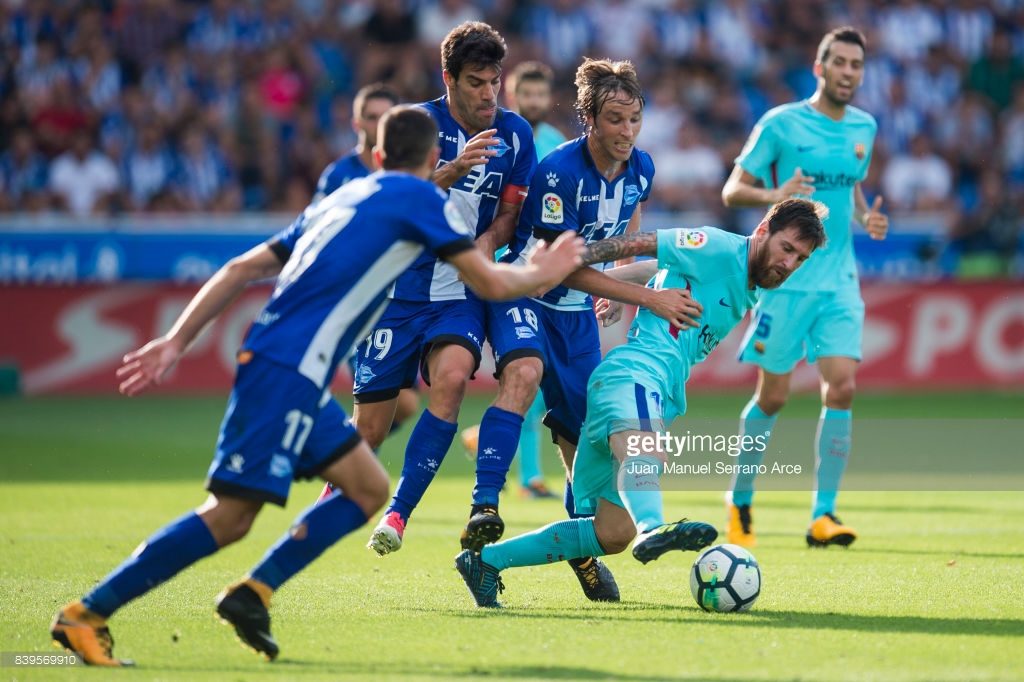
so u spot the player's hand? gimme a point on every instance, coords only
(608, 312)
(799, 184)
(875, 222)
(476, 151)
(558, 259)
(675, 305)
(147, 366)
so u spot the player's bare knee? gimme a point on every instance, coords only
(615, 538)
(840, 392)
(772, 400)
(614, 530)
(229, 519)
(374, 491)
(447, 389)
(520, 380)
(373, 432)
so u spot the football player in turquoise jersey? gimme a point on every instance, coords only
(640, 387)
(819, 147)
(593, 185)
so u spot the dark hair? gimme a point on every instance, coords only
(372, 91)
(597, 81)
(472, 42)
(803, 214)
(843, 34)
(407, 134)
(534, 72)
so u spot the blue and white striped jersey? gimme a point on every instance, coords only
(347, 168)
(341, 256)
(569, 193)
(475, 197)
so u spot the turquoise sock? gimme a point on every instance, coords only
(832, 450)
(559, 541)
(640, 488)
(753, 423)
(529, 443)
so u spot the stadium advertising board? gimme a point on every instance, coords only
(70, 339)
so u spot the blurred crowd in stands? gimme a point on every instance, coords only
(237, 105)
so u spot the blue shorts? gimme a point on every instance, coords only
(389, 358)
(790, 325)
(513, 328)
(278, 427)
(619, 398)
(572, 350)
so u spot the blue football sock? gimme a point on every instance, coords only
(756, 427)
(428, 444)
(171, 549)
(499, 435)
(832, 449)
(319, 527)
(529, 444)
(570, 502)
(559, 541)
(640, 489)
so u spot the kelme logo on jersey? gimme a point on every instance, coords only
(553, 210)
(691, 239)
(630, 195)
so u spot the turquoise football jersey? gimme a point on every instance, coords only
(546, 138)
(712, 264)
(836, 154)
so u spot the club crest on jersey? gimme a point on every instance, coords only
(553, 209)
(630, 195)
(691, 239)
(859, 150)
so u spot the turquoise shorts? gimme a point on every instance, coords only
(789, 326)
(617, 400)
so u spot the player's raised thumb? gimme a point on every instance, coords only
(877, 204)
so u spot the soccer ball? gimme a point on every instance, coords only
(725, 578)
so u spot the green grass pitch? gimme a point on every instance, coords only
(933, 590)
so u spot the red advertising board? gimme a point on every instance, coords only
(70, 339)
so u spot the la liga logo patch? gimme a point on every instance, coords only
(553, 210)
(691, 239)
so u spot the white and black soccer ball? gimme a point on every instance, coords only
(725, 578)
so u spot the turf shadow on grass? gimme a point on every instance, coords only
(767, 618)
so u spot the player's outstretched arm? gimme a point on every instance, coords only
(620, 248)
(147, 366)
(637, 273)
(674, 305)
(547, 266)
